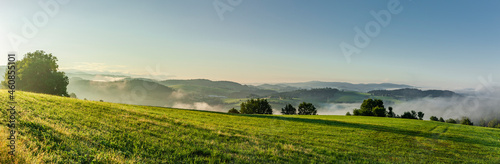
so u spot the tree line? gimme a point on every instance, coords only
(375, 107)
(492, 123)
(262, 106)
(463, 121)
(411, 93)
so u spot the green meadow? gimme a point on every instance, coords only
(55, 129)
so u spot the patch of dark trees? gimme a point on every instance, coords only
(262, 106)
(375, 107)
(410, 93)
(318, 94)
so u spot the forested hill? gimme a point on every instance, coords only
(227, 89)
(339, 85)
(409, 93)
(315, 95)
(327, 95)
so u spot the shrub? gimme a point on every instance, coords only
(434, 118)
(493, 123)
(441, 119)
(466, 121)
(451, 120)
(233, 111)
(482, 122)
(409, 115)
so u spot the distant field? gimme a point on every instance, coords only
(64, 130)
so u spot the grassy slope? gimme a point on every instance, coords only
(62, 130)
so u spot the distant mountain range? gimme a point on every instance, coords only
(338, 85)
(143, 91)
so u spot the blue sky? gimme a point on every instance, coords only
(436, 44)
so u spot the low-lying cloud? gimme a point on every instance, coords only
(337, 108)
(474, 107)
(199, 106)
(484, 104)
(178, 94)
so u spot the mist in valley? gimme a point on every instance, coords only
(482, 103)
(337, 108)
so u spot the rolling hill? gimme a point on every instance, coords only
(129, 91)
(337, 85)
(411, 93)
(226, 89)
(329, 95)
(224, 94)
(140, 91)
(64, 130)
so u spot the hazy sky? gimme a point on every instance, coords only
(441, 44)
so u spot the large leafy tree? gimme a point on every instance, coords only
(368, 106)
(256, 106)
(37, 72)
(288, 109)
(307, 109)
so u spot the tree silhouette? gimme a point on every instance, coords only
(420, 115)
(307, 109)
(390, 113)
(233, 111)
(288, 109)
(256, 106)
(379, 111)
(466, 121)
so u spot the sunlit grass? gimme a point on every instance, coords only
(63, 130)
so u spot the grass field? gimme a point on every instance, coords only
(64, 130)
